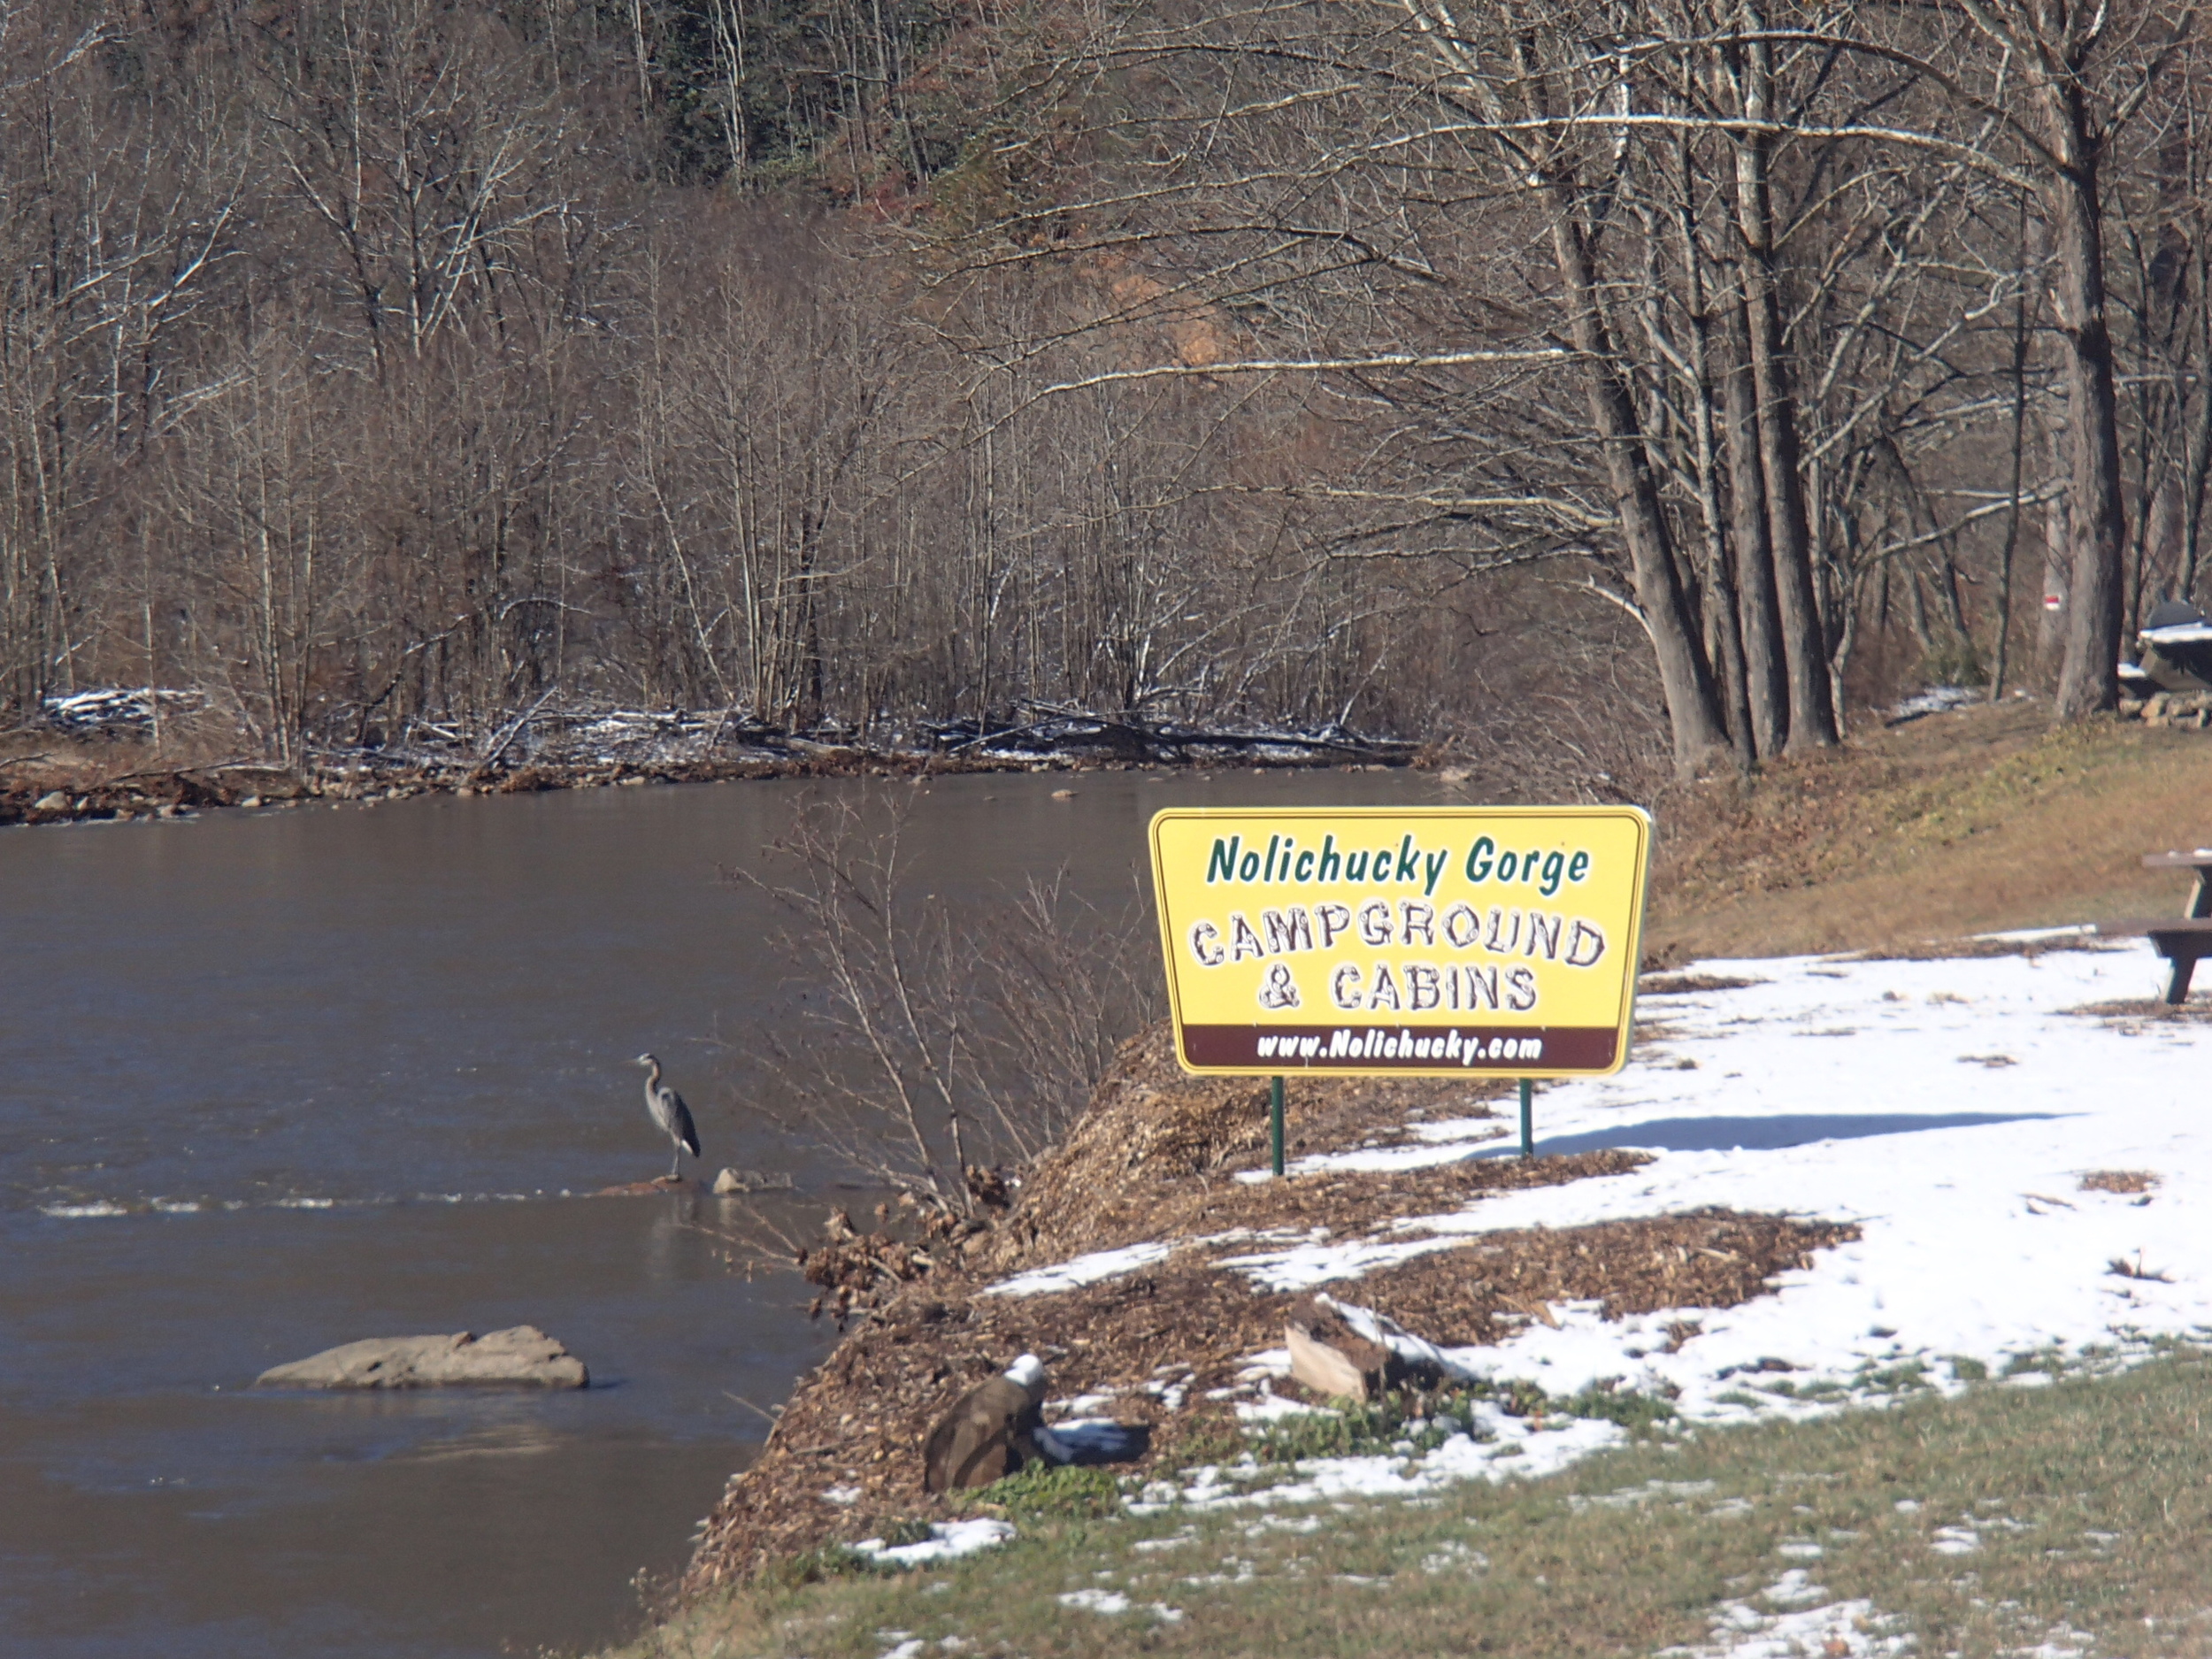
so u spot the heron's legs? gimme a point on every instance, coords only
(675, 1159)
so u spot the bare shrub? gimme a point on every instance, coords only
(931, 1053)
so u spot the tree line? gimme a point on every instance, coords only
(1617, 378)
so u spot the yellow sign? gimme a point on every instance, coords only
(1441, 940)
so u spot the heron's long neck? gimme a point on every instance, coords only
(653, 1078)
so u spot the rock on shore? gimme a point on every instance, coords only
(520, 1358)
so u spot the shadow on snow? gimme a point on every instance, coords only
(1765, 1134)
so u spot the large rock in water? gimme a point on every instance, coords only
(521, 1357)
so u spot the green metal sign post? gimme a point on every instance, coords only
(1275, 1122)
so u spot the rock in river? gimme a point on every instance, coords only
(523, 1357)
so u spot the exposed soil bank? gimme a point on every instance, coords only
(1960, 822)
(46, 793)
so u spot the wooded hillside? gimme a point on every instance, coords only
(1652, 379)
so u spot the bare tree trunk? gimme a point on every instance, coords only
(2198, 459)
(1723, 632)
(2002, 654)
(2058, 545)
(2088, 680)
(1812, 712)
(1767, 679)
(729, 49)
(1685, 677)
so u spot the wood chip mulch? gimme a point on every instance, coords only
(2123, 1181)
(2133, 1017)
(1484, 1291)
(1156, 1158)
(1691, 984)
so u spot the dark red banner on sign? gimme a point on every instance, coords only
(1414, 1048)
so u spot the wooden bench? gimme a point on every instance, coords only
(2181, 940)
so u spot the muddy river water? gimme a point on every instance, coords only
(273, 1082)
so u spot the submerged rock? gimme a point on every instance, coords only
(750, 1181)
(644, 1189)
(520, 1358)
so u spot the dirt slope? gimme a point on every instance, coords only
(1156, 1158)
(1960, 823)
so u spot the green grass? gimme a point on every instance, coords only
(1412, 1422)
(1039, 1493)
(2091, 1500)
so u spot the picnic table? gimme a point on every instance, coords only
(2180, 939)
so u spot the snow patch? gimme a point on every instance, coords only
(947, 1540)
(1454, 1556)
(1838, 1629)
(1932, 1158)
(1847, 1089)
(1637, 1497)
(1934, 700)
(1084, 1269)
(1174, 1541)
(1795, 1588)
(1515, 1447)
(2062, 1641)
(1111, 1601)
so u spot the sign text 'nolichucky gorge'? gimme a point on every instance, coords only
(1426, 940)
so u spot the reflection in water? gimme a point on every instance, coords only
(500, 1439)
(269, 1083)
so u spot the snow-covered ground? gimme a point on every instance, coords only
(1950, 1108)
(1935, 700)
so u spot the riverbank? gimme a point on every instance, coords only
(1548, 1282)
(1954, 1193)
(1858, 1535)
(112, 761)
(1119, 1265)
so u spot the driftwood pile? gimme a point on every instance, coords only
(859, 1271)
(98, 766)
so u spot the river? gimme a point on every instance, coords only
(274, 1081)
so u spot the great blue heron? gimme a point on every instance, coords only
(667, 1108)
